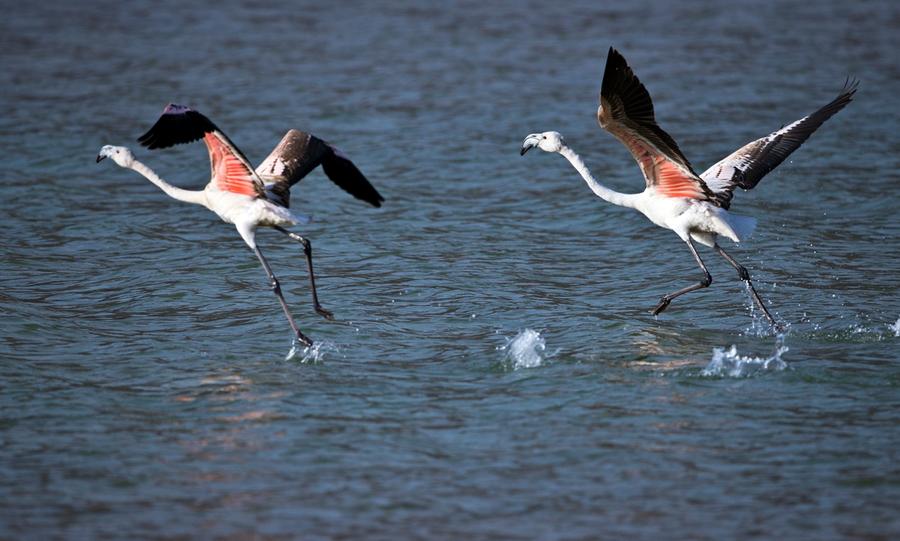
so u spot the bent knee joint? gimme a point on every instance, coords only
(307, 246)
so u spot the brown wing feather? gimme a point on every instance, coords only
(298, 153)
(746, 166)
(626, 111)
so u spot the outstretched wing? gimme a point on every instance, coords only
(230, 170)
(298, 153)
(626, 111)
(746, 166)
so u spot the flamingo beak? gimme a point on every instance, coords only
(530, 142)
(100, 157)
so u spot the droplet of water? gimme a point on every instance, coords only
(759, 323)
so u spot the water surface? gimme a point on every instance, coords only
(494, 371)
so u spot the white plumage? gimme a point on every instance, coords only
(693, 206)
(245, 197)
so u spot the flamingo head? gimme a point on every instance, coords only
(121, 155)
(549, 141)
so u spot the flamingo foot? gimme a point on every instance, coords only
(303, 339)
(324, 313)
(663, 304)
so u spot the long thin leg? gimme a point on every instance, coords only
(745, 276)
(276, 288)
(307, 249)
(664, 302)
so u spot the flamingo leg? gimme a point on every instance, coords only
(745, 276)
(307, 250)
(707, 279)
(276, 288)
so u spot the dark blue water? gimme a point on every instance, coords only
(144, 391)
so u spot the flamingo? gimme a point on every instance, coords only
(245, 197)
(694, 206)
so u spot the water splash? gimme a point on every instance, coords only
(311, 355)
(525, 350)
(759, 324)
(728, 363)
(861, 331)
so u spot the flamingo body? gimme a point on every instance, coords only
(693, 218)
(695, 207)
(245, 197)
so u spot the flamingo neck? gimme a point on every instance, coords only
(614, 197)
(188, 196)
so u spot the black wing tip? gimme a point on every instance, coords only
(851, 85)
(619, 78)
(844, 97)
(373, 197)
(175, 109)
(614, 62)
(343, 172)
(615, 56)
(178, 124)
(370, 195)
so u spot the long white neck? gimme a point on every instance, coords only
(614, 197)
(188, 196)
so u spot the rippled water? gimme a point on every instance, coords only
(145, 391)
